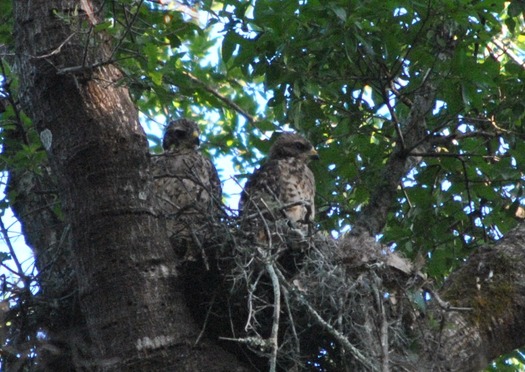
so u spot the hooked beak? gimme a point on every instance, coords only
(195, 136)
(313, 154)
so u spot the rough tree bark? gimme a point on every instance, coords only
(492, 286)
(129, 288)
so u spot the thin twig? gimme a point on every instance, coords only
(290, 316)
(128, 29)
(205, 323)
(274, 341)
(393, 115)
(56, 50)
(86, 46)
(508, 51)
(251, 291)
(453, 155)
(11, 249)
(221, 98)
(445, 305)
(326, 326)
(383, 329)
(75, 69)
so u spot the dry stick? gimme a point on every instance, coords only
(444, 304)
(265, 254)
(57, 49)
(327, 327)
(290, 316)
(383, 339)
(251, 290)
(276, 314)
(205, 324)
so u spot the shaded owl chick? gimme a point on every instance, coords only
(283, 187)
(187, 186)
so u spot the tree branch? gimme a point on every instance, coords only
(492, 285)
(221, 98)
(373, 217)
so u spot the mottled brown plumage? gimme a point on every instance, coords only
(187, 186)
(283, 187)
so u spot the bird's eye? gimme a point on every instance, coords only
(301, 146)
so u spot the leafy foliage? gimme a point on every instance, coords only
(345, 72)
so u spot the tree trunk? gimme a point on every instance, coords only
(490, 288)
(129, 288)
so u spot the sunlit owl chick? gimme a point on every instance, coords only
(187, 186)
(283, 187)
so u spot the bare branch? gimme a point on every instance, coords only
(57, 49)
(327, 327)
(383, 328)
(274, 340)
